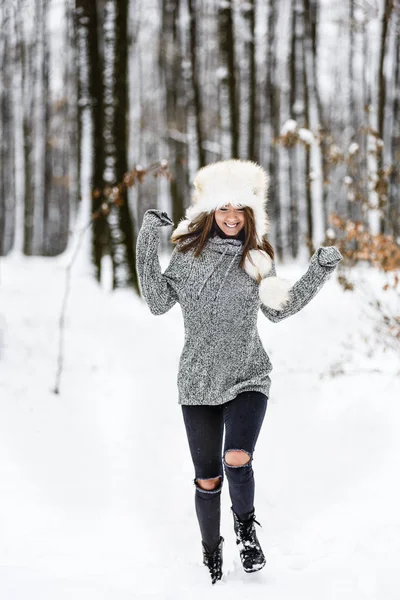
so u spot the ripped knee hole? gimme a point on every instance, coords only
(237, 458)
(209, 484)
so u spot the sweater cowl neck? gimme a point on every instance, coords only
(225, 245)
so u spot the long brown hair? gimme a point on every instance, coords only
(201, 229)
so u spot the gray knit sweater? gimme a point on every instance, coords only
(222, 354)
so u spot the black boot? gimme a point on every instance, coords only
(213, 560)
(251, 554)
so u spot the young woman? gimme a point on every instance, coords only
(222, 272)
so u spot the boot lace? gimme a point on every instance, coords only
(246, 534)
(213, 560)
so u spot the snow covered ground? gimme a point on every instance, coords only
(96, 493)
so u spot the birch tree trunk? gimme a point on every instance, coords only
(91, 105)
(272, 117)
(40, 99)
(293, 229)
(311, 9)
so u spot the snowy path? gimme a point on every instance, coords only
(96, 496)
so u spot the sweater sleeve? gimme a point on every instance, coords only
(322, 264)
(157, 287)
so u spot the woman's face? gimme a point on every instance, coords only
(231, 220)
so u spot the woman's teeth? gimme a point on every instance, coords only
(232, 226)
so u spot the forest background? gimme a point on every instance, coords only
(109, 107)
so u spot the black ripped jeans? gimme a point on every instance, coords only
(242, 418)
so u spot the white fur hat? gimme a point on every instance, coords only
(239, 183)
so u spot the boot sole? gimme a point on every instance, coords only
(259, 567)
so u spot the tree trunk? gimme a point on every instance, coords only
(273, 90)
(307, 75)
(126, 246)
(26, 53)
(170, 62)
(91, 97)
(197, 103)
(293, 229)
(49, 158)
(252, 121)
(366, 102)
(7, 125)
(388, 7)
(39, 126)
(228, 78)
(353, 116)
(72, 138)
(311, 9)
(394, 195)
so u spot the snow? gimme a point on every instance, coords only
(221, 73)
(96, 492)
(353, 148)
(306, 135)
(289, 126)
(330, 233)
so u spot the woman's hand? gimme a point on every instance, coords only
(159, 217)
(329, 256)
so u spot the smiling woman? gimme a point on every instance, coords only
(230, 219)
(222, 272)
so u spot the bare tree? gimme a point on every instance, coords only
(381, 105)
(197, 103)
(394, 196)
(170, 63)
(26, 50)
(272, 121)
(124, 248)
(248, 10)
(91, 97)
(40, 121)
(293, 226)
(228, 94)
(209, 99)
(311, 9)
(7, 124)
(307, 76)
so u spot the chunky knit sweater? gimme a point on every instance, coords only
(222, 354)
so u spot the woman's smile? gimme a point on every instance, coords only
(231, 220)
